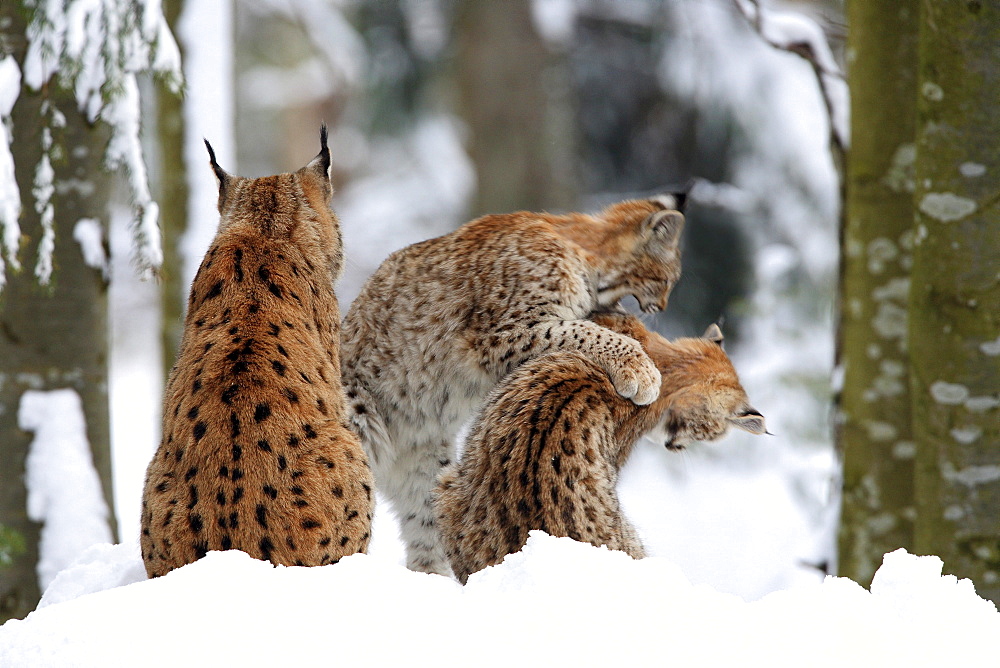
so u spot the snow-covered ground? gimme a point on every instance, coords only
(739, 532)
(557, 602)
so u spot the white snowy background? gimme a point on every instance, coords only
(739, 531)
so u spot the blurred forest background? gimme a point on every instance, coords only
(440, 111)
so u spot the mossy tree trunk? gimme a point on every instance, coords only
(874, 433)
(921, 289)
(51, 336)
(954, 324)
(173, 200)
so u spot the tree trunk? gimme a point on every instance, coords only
(50, 336)
(514, 95)
(955, 296)
(173, 200)
(874, 434)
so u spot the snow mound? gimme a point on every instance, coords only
(557, 602)
(100, 567)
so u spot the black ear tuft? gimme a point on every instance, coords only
(672, 201)
(680, 200)
(220, 173)
(324, 152)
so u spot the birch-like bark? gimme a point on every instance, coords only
(873, 425)
(954, 324)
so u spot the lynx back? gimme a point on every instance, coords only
(256, 452)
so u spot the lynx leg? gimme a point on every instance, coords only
(631, 544)
(408, 484)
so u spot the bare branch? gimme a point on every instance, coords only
(799, 35)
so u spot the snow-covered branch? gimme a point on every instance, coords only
(798, 34)
(94, 48)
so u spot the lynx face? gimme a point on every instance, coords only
(714, 415)
(642, 237)
(701, 397)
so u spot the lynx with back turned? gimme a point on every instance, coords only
(545, 451)
(442, 321)
(256, 452)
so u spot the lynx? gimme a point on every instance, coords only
(440, 322)
(545, 451)
(257, 454)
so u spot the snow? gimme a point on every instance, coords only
(557, 602)
(416, 187)
(554, 20)
(135, 373)
(427, 27)
(784, 189)
(64, 491)
(124, 150)
(90, 235)
(43, 188)
(741, 531)
(208, 114)
(101, 566)
(10, 196)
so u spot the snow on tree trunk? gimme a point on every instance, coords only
(955, 296)
(64, 490)
(10, 198)
(873, 425)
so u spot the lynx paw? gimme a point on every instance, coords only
(637, 378)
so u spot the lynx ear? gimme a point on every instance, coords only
(750, 420)
(225, 178)
(666, 225)
(714, 334)
(320, 165)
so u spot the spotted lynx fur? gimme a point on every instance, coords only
(256, 452)
(545, 451)
(440, 322)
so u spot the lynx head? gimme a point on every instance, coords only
(643, 251)
(700, 396)
(292, 206)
